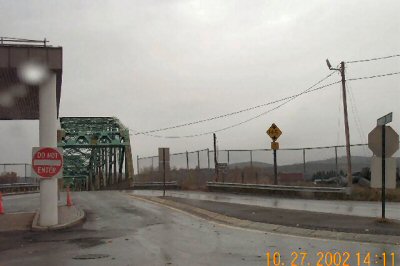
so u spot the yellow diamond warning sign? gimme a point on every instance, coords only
(274, 132)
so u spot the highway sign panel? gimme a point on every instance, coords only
(47, 162)
(391, 142)
(275, 145)
(163, 159)
(274, 132)
(385, 119)
(163, 154)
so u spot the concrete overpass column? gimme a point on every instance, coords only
(48, 138)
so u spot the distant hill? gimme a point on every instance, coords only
(358, 162)
(248, 164)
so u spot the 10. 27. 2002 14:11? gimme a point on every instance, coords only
(331, 259)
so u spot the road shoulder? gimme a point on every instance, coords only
(247, 222)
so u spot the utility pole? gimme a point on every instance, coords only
(346, 121)
(383, 170)
(346, 125)
(215, 157)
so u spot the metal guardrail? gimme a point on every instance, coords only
(155, 185)
(276, 187)
(18, 187)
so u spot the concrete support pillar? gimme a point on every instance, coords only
(48, 214)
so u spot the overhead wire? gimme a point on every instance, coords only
(286, 99)
(374, 76)
(357, 120)
(372, 59)
(352, 98)
(247, 120)
(232, 113)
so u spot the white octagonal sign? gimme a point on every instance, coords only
(391, 141)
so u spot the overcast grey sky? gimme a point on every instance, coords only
(159, 63)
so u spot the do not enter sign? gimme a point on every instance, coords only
(47, 162)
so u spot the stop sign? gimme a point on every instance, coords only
(391, 141)
(47, 162)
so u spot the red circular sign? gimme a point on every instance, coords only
(47, 162)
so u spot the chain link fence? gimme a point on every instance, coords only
(16, 173)
(296, 166)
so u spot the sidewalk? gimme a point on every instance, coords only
(21, 213)
(16, 221)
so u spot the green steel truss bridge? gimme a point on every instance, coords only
(97, 152)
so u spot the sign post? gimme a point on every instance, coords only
(274, 132)
(164, 172)
(378, 134)
(382, 122)
(383, 171)
(163, 155)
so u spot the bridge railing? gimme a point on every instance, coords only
(18, 187)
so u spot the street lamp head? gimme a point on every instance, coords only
(328, 64)
(33, 73)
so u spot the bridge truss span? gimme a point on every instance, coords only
(97, 152)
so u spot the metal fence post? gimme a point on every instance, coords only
(251, 159)
(187, 160)
(251, 164)
(25, 172)
(198, 159)
(137, 162)
(228, 156)
(304, 162)
(336, 162)
(208, 158)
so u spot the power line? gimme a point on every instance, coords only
(375, 76)
(372, 59)
(230, 114)
(288, 99)
(247, 120)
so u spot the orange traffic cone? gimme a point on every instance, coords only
(69, 200)
(1, 204)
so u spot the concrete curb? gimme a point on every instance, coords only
(80, 217)
(271, 228)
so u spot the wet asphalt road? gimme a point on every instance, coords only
(122, 231)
